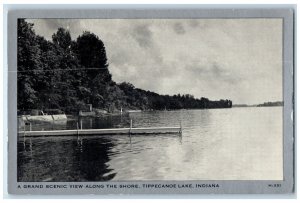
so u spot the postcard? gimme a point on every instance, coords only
(170, 101)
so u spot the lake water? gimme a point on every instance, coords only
(216, 144)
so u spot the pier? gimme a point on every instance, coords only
(113, 131)
(105, 131)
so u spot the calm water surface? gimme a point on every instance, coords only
(216, 144)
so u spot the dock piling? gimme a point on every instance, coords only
(80, 124)
(130, 127)
(24, 136)
(77, 129)
(180, 131)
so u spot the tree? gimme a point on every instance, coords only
(62, 38)
(29, 66)
(92, 55)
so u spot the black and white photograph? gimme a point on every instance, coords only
(149, 99)
(136, 101)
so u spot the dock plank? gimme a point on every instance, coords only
(114, 131)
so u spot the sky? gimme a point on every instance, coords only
(236, 59)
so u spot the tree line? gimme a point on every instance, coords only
(68, 74)
(276, 103)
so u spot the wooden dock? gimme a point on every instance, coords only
(114, 131)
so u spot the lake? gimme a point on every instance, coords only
(216, 144)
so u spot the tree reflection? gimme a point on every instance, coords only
(64, 160)
(93, 159)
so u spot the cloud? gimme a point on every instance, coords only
(213, 74)
(47, 27)
(143, 35)
(119, 57)
(193, 23)
(55, 23)
(178, 28)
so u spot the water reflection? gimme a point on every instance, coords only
(92, 159)
(68, 159)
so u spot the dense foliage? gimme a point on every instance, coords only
(68, 75)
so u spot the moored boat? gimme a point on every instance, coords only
(48, 115)
(134, 111)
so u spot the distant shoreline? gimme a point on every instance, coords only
(265, 104)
